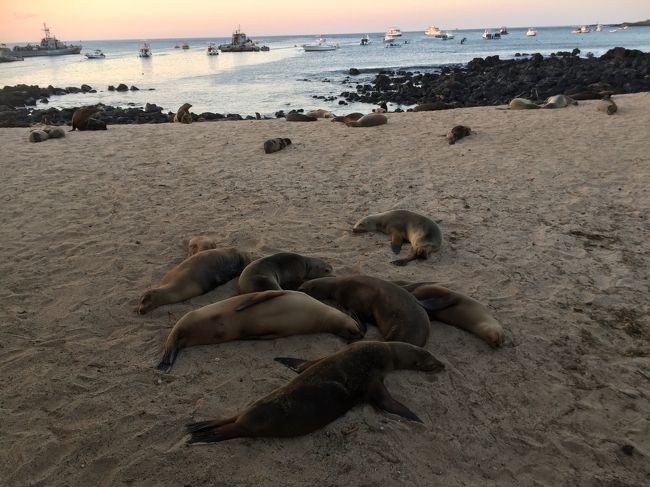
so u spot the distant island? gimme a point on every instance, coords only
(643, 23)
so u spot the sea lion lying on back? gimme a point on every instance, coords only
(284, 270)
(183, 114)
(457, 133)
(194, 276)
(370, 120)
(299, 117)
(558, 101)
(404, 226)
(325, 390)
(350, 117)
(264, 315)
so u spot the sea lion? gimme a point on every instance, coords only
(194, 276)
(274, 145)
(607, 105)
(81, 115)
(284, 270)
(264, 315)
(299, 117)
(456, 309)
(457, 133)
(383, 108)
(320, 113)
(429, 107)
(183, 114)
(392, 309)
(403, 225)
(54, 132)
(95, 124)
(350, 117)
(520, 104)
(558, 101)
(37, 135)
(323, 392)
(370, 120)
(199, 243)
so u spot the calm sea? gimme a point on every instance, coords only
(285, 77)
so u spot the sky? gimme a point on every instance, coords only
(74, 20)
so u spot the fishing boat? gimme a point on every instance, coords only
(185, 46)
(241, 43)
(145, 50)
(446, 36)
(394, 32)
(212, 49)
(598, 28)
(489, 35)
(613, 30)
(393, 43)
(433, 31)
(320, 44)
(96, 54)
(49, 46)
(581, 30)
(7, 55)
(503, 31)
(531, 32)
(365, 40)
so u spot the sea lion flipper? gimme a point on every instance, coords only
(381, 399)
(168, 359)
(258, 298)
(213, 431)
(396, 243)
(403, 262)
(296, 364)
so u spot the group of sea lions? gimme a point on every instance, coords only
(287, 294)
(605, 104)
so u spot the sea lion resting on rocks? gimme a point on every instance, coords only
(350, 117)
(284, 270)
(264, 315)
(274, 145)
(325, 390)
(607, 105)
(370, 120)
(183, 114)
(457, 133)
(456, 309)
(194, 276)
(558, 101)
(393, 310)
(299, 117)
(403, 225)
(320, 114)
(81, 116)
(199, 243)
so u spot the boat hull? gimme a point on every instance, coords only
(46, 52)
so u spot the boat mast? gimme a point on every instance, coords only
(46, 30)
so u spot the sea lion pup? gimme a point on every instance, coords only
(81, 115)
(323, 392)
(456, 309)
(199, 243)
(457, 133)
(194, 276)
(37, 135)
(54, 132)
(392, 309)
(370, 120)
(350, 117)
(183, 114)
(320, 113)
(403, 225)
(299, 117)
(607, 105)
(265, 315)
(284, 270)
(274, 145)
(520, 104)
(558, 101)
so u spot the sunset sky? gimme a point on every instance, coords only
(70, 20)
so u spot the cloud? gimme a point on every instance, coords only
(23, 16)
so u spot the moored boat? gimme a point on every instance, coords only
(212, 49)
(598, 28)
(96, 54)
(531, 32)
(393, 43)
(489, 35)
(145, 50)
(320, 44)
(365, 40)
(433, 31)
(49, 46)
(7, 55)
(503, 31)
(581, 30)
(241, 43)
(185, 46)
(394, 32)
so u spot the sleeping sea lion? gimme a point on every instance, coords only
(520, 104)
(183, 114)
(81, 115)
(392, 309)
(264, 315)
(403, 225)
(284, 270)
(457, 133)
(607, 105)
(199, 243)
(558, 101)
(429, 107)
(323, 392)
(370, 120)
(350, 117)
(320, 114)
(456, 309)
(95, 124)
(274, 145)
(194, 276)
(383, 108)
(54, 132)
(299, 117)
(37, 135)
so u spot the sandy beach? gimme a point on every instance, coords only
(544, 215)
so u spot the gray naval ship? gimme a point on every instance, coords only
(49, 46)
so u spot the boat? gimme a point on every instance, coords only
(433, 31)
(241, 43)
(96, 54)
(598, 28)
(393, 43)
(145, 50)
(531, 32)
(489, 35)
(212, 49)
(49, 46)
(613, 30)
(177, 46)
(185, 45)
(503, 31)
(365, 40)
(393, 32)
(320, 44)
(447, 36)
(581, 30)
(7, 55)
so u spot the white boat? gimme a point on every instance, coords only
(365, 40)
(212, 49)
(145, 50)
(394, 32)
(581, 30)
(489, 35)
(321, 44)
(531, 32)
(433, 31)
(598, 28)
(393, 43)
(613, 30)
(447, 36)
(96, 54)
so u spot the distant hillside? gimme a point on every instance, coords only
(643, 23)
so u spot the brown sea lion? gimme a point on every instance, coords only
(370, 120)
(299, 117)
(350, 117)
(457, 133)
(320, 113)
(95, 124)
(274, 145)
(520, 104)
(393, 310)
(558, 101)
(456, 309)
(264, 315)
(284, 270)
(323, 392)
(403, 225)
(194, 276)
(607, 105)
(199, 243)
(54, 132)
(430, 107)
(81, 115)
(183, 114)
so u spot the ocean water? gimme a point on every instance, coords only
(286, 77)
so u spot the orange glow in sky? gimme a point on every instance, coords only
(73, 20)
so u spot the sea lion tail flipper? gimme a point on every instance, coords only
(257, 298)
(402, 262)
(381, 399)
(296, 364)
(213, 431)
(169, 357)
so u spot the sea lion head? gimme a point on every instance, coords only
(356, 331)
(367, 224)
(318, 268)
(320, 289)
(407, 356)
(199, 243)
(148, 301)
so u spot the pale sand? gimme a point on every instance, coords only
(545, 218)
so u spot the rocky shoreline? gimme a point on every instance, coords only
(488, 81)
